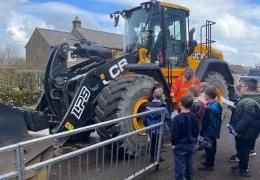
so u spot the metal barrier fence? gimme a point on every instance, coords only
(103, 160)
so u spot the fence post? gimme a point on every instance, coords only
(18, 163)
(19, 158)
(160, 136)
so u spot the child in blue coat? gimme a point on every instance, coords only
(211, 126)
(155, 118)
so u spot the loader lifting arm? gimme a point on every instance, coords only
(70, 94)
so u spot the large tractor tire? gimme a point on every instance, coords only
(122, 97)
(216, 79)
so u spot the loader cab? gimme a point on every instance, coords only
(168, 25)
(175, 46)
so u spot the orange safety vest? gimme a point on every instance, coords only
(181, 87)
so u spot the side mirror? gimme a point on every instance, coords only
(116, 16)
(192, 43)
(191, 33)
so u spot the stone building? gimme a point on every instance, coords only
(237, 71)
(42, 41)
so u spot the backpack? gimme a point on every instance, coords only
(199, 109)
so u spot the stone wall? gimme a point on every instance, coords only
(37, 52)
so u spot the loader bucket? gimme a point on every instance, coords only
(13, 129)
(12, 126)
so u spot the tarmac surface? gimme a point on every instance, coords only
(86, 165)
(222, 169)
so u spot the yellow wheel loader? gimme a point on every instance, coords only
(158, 45)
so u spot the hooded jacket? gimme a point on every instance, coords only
(246, 118)
(155, 117)
(211, 123)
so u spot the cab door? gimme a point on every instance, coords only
(174, 54)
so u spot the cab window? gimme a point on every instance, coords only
(175, 39)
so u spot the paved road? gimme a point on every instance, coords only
(222, 171)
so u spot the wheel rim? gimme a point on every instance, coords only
(219, 94)
(138, 123)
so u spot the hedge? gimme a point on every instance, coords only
(21, 79)
(20, 98)
(20, 87)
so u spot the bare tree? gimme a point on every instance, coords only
(9, 55)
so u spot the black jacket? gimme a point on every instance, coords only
(246, 117)
(185, 129)
(211, 123)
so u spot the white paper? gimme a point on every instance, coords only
(174, 113)
(226, 101)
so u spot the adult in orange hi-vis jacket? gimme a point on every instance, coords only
(183, 83)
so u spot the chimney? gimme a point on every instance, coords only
(76, 23)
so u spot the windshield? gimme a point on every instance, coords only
(134, 24)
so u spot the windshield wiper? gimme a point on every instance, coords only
(132, 46)
(148, 20)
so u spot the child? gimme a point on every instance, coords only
(237, 96)
(155, 118)
(184, 135)
(246, 124)
(211, 125)
(197, 107)
(202, 88)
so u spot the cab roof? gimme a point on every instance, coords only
(166, 4)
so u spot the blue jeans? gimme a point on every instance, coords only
(183, 161)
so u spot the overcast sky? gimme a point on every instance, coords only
(237, 31)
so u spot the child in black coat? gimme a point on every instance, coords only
(184, 136)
